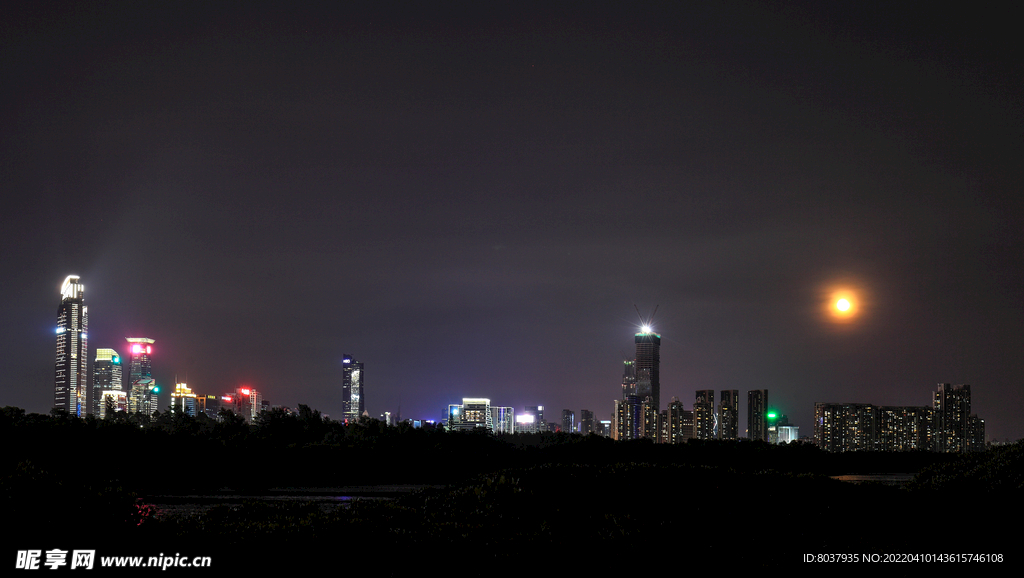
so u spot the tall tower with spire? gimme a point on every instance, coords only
(71, 384)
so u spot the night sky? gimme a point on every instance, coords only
(471, 200)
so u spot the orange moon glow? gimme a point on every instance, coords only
(842, 305)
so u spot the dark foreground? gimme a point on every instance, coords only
(526, 503)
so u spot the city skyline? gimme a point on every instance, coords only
(472, 201)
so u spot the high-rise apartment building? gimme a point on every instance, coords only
(106, 377)
(757, 410)
(952, 405)
(844, 427)
(704, 415)
(71, 373)
(729, 415)
(680, 422)
(353, 399)
(628, 378)
(142, 389)
(648, 366)
(628, 418)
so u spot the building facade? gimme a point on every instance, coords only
(183, 400)
(353, 398)
(704, 415)
(106, 377)
(71, 372)
(729, 415)
(648, 367)
(757, 410)
(142, 389)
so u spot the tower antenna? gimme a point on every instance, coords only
(648, 321)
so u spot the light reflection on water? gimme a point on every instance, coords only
(887, 479)
(327, 499)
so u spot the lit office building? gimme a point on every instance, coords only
(112, 401)
(246, 402)
(183, 400)
(142, 390)
(788, 434)
(142, 397)
(474, 412)
(537, 411)
(71, 372)
(729, 415)
(353, 398)
(211, 405)
(503, 420)
(106, 376)
(568, 421)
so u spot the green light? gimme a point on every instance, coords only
(771, 415)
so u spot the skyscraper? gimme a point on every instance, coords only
(586, 421)
(757, 407)
(680, 422)
(71, 373)
(568, 421)
(353, 400)
(183, 400)
(952, 405)
(704, 415)
(142, 392)
(628, 378)
(648, 366)
(729, 415)
(106, 377)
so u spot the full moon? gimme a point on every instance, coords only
(842, 305)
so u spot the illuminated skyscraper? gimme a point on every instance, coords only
(353, 399)
(704, 415)
(183, 400)
(729, 415)
(503, 419)
(757, 407)
(680, 422)
(568, 421)
(648, 366)
(246, 402)
(106, 377)
(953, 419)
(71, 374)
(142, 393)
(628, 378)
